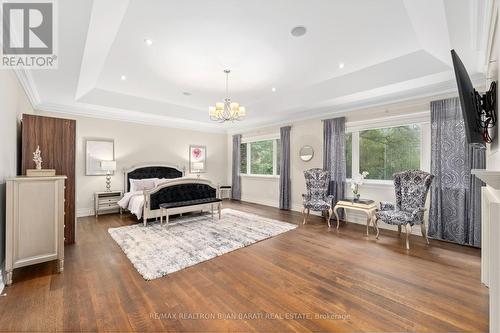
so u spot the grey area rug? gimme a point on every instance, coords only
(156, 250)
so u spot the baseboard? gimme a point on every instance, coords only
(82, 212)
(260, 202)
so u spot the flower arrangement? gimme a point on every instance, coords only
(356, 182)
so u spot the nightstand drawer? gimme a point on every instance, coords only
(108, 206)
(108, 200)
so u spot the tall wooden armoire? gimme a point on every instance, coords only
(56, 138)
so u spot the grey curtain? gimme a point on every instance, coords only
(334, 156)
(236, 178)
(455, 211)
(285, 192)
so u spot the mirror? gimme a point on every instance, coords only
(97, 151)
(306, 153)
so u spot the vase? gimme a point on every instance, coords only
(355, 192)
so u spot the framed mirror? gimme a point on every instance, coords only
(98, 150)
(306, 153)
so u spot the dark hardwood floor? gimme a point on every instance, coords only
(308, 279)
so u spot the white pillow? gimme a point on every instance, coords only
(142, 184)
(160, 181)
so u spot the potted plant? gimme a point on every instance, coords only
(356, 182)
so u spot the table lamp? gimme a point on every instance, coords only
(198, 167)
(108, 166)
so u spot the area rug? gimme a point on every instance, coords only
(156, 250)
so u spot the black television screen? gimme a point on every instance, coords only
(467, 101)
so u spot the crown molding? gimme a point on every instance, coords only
(409, 98)
(26, 80)
(129, 116)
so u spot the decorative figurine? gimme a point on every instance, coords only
(37, 158)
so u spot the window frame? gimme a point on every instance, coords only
(355, 132)
(248, 142)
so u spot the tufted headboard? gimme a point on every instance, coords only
(151, 171)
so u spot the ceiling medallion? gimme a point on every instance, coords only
(227, 110)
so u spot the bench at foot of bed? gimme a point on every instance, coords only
(180, 207)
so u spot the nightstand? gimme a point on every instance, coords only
(107, 202)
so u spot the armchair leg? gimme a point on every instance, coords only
(408, 232)
(424, 232)
(305, 213)
(399, 231)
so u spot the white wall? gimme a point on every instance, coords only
(137, 144)
(13, 103)
(265, 190)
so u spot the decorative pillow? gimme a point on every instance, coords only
(160, 181)
(142, 184)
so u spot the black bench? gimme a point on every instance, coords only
(176, 207)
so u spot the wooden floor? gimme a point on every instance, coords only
(308, 279)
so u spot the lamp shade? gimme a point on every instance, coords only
(108, 165)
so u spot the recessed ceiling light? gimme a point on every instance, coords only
(273, 89)
(298, 31)
(123, 77)
(341, 65)
(148, 41)
(186, 93)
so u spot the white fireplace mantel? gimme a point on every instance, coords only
(490, 177)
(490, 240)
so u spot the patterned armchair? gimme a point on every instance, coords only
(411, 192)
(317, 198)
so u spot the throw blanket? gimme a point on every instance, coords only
(134, 202)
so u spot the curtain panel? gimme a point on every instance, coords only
(334, 156)
(455, 211)
(285, 191)
(236, 164)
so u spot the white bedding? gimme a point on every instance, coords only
(134, 202)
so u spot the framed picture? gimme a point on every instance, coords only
(197, 159)
(98, 150)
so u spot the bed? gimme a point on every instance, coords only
(133, 201)
(170, 187)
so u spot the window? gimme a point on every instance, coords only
(383, 151)
(260, 157)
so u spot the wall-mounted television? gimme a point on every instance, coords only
(479, 111)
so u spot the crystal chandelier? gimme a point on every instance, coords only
(226, 111)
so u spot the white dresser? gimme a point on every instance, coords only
(34, 230)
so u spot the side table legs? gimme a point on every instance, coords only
(336, 216)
